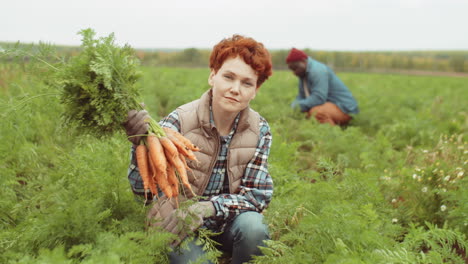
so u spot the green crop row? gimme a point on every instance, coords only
(389, 188)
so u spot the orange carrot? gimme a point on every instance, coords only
(191, 155)
(156, 153)
(169, 147)
(182, 158)
(183, 139)
(173, 157)
(172, 179)
(181, 147)
(180, 167)
(153, 180)
(142, 162)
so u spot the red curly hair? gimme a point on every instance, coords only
(252, 52)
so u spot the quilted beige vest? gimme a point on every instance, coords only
(195, 125)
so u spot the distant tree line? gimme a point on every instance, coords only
(440, 61)
(446, 61)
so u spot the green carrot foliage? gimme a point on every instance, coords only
(98, 86)
(389, 188)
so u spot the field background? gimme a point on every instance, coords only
(390, 188)
(430, 62)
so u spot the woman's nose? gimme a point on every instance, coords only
(235, 87)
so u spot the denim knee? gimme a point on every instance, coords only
(249, 227)
(193, 253)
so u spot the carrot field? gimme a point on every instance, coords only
(389, 188)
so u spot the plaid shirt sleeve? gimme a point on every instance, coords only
(256, 188)
(171, 121)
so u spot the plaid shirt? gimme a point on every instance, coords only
(256, 188)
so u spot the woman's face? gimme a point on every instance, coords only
(234, 86)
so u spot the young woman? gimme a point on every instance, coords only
(232, 174)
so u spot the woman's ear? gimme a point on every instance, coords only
(210, 78)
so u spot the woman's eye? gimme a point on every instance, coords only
(229, 77)
(248, 84)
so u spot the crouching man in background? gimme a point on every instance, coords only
(321, 93)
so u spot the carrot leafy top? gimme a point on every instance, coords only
(98, 86)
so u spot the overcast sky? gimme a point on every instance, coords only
(318, 25)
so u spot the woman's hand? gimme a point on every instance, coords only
(180, 222)
(136, 125)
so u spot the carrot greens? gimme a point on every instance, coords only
(98, 86)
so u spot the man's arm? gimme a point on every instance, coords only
(256, 189)
(318, 90)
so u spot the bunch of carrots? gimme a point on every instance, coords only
(161, 158)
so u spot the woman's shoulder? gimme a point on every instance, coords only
(263, 125)
(257, 115)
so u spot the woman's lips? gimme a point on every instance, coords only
(232, 99)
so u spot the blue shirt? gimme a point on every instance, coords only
(324, 86)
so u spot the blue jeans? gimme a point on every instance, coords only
(241, 238)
